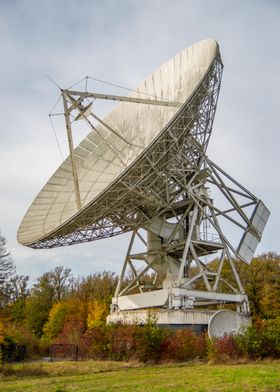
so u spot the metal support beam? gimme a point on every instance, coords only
(125, 264)
(85, 94)
(71, 151)
(188, 241)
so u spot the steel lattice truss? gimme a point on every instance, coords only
(197, 208)
(157, 180)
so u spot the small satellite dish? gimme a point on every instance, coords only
(226, 322)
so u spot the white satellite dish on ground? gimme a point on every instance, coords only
(226, 322)
(144, 167)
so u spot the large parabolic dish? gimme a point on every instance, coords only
(124, 186)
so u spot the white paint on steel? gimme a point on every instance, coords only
(164, 229)
(158, 298)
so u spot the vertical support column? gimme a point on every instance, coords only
(71, 151)
(221, 264)
(188, 241)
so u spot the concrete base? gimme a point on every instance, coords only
(217, 323)
(174, 318)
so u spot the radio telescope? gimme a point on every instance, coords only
(144, 169)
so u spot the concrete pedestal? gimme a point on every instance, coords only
(173, 318)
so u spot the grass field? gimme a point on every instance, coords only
(124, 377)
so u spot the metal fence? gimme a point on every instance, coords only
(64, 352)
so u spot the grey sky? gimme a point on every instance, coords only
(122, 41)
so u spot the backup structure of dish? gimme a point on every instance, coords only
(144, 169)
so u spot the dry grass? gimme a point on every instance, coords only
(54, 369)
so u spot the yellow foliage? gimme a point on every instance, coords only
(97, 312)
(56, 320)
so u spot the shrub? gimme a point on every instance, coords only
(123, 342)
(8, 349)
(149, 343)
(95, 343)
(223, 349)
(72, 332)
(23, 337)
(250, 342)
(149, 339)
(184, 345)
(261, 339)
(271, 337)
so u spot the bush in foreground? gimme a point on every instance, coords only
(261, 339)
(146, 343)
(151, 344)
(184, 345)
(223, 350)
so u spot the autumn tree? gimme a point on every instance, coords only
(18, 293)
(56, 284)
(95, 292)
(13, 287)
(261, 283)
(99, 286)
(18, 287)
(270, 300)
(96, 314)
(7, 269)
(51, 287)
(56, 320)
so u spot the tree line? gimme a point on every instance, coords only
(62, 308)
